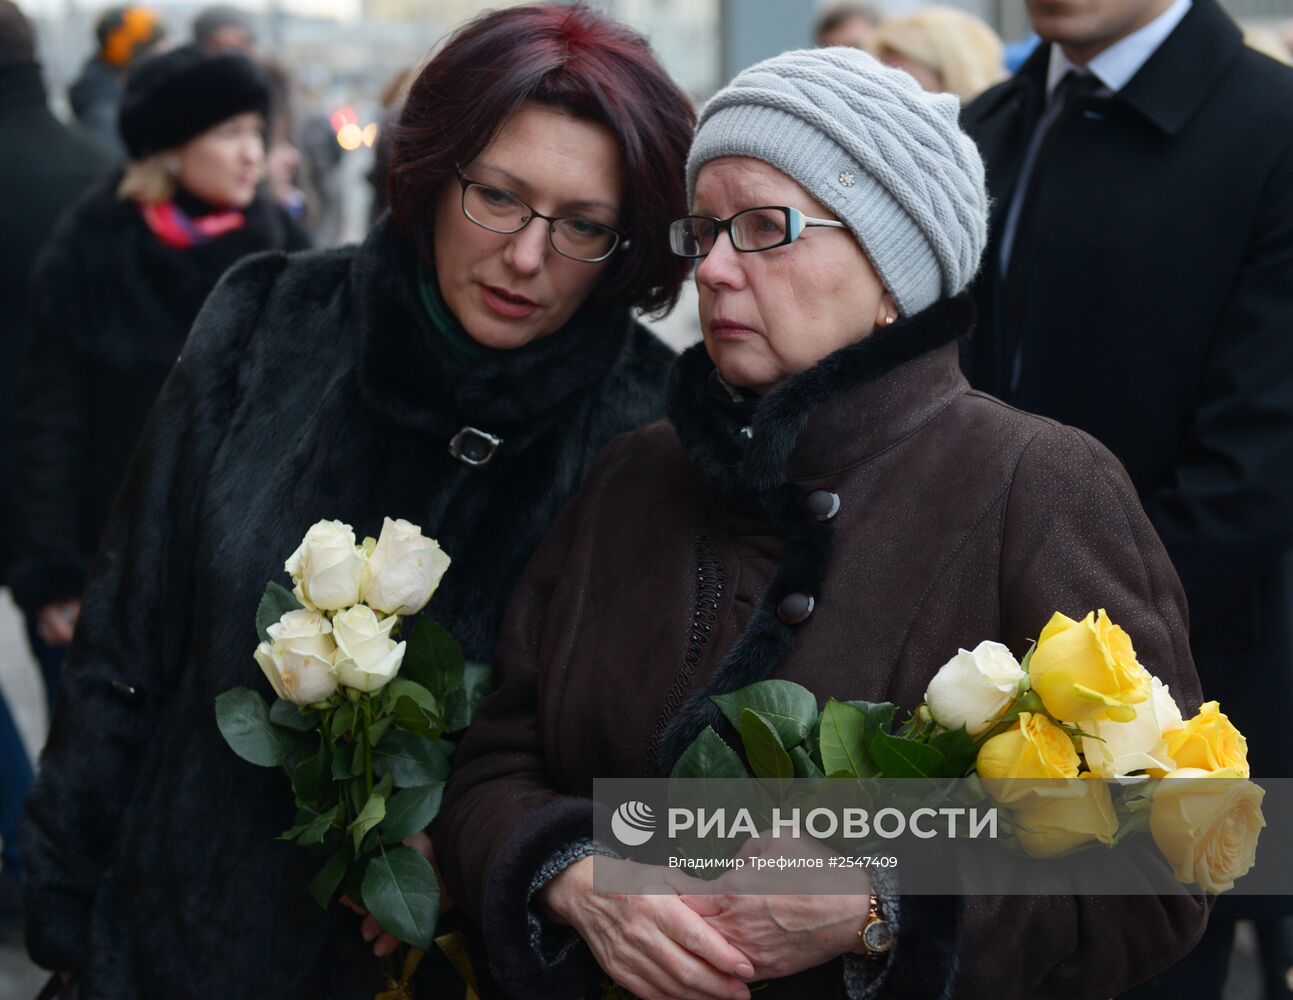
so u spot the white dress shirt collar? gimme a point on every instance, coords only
(1116, 65)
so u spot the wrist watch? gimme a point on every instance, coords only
(875, 937)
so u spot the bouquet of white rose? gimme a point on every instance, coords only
(1079, 706)
(364, 698)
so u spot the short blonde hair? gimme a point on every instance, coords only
(965, 53)
(1268, 42)
(151, 179)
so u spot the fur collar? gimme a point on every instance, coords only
(756, 473)
(745, 468)
(404, 372)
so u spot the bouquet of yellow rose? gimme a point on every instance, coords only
(364, 695)
(1079, 706)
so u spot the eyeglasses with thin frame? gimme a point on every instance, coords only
(500, 211)
(752, 230)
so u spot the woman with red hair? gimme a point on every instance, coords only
(460, 369)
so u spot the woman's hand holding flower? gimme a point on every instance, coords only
(371, 931)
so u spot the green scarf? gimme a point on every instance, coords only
(463, 352)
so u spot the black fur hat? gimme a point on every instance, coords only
(174, 96)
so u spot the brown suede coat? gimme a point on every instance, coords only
(960, 519)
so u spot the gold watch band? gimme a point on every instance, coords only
(875, 938)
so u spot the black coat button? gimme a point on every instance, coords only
(822, 504)
(795, 608)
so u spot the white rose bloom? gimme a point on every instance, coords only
(366, 658)
(1124, 747)
(298, 658)
(973, 688)
(404, 569)
(327, 567)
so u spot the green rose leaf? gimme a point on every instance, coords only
(789, 708)
(461, 705)
(879, 716)
(409, 811)
(402, 687)
(304, 817)
(813, 742)
(378, 729)
(355, 792)
(274, 604)
(709, 757)
(401, 892)
(309, 776)
(352, 883)
(407, 715)
(288, 716)
(805, 766)
(413, 760)
(243, 718)
(318, 828)
(374, 812)
(297, 747)
(413, 707)
(325, 883)
(958, 749)
(763, 749)
(433, 659)
(343, 762)
(902, 758)
(343, 719)
(842, 741)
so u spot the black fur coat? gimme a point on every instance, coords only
(111, 307)
(312, 387)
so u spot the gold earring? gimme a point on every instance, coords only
(888, 320)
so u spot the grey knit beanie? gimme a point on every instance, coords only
(886, 157)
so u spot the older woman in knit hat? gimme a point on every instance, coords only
(829, 504)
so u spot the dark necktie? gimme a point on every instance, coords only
(1018, 233)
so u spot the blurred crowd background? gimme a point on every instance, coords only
(337, 70)
(339, 65)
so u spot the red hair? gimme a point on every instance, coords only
(572, 58)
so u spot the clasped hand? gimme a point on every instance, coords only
(684, 939)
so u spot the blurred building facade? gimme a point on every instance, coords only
(340, 53)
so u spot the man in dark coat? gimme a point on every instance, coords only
(45, 168)
(1139, 284)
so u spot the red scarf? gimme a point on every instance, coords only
(175, 229)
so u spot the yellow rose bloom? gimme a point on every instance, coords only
(1052, 826)
(1026, 760)
(1207, 823)
(1087, 671)
(1209, 742)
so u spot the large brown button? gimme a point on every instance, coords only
(822, 504)
(795, 608)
